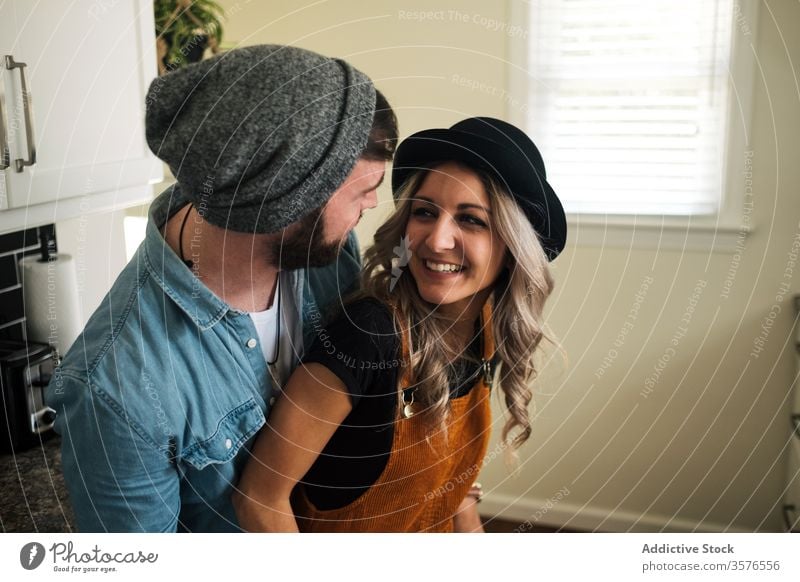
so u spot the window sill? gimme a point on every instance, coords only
(689, 233)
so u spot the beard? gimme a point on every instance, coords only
(303, 244)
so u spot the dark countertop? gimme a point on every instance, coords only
(33, 497)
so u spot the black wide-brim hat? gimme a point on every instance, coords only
(505, 152)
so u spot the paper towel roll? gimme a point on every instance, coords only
(51, 300)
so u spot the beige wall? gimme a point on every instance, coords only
(705, 448)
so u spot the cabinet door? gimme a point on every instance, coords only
(88, 66)
(6, 41)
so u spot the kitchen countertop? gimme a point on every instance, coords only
(33, 497)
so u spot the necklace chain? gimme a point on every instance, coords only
(278, 326)
(190, 263)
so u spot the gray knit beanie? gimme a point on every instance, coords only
(258, 137)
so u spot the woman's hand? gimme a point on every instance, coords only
(311, 408)
(264, 515)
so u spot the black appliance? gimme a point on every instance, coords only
(25, 371)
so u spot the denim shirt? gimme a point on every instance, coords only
(160, 397)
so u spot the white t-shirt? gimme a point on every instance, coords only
(290, 340)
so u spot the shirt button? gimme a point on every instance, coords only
(228, 443)
(252, 342)
(272, 401)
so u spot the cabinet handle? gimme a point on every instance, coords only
(20, 164)
(5, 152)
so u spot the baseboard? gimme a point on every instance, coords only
(577, 518)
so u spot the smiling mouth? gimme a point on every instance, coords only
(443, 267)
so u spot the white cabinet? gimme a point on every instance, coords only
(88, 64)
(6, 38)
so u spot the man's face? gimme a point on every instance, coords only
(354, 196)
(316, 239)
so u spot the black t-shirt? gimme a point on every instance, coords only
(362, 347)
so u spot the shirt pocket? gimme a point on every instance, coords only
(233, 431)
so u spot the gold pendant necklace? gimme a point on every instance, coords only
(408, 406)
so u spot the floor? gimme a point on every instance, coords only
(504, 526)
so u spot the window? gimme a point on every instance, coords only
(630, 102)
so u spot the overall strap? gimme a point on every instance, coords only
(488, 342)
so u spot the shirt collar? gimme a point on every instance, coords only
(176, 279)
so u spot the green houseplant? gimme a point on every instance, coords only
(184, 29)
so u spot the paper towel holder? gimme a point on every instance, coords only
(50, 294)
(47, 242)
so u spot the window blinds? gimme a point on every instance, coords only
(628, 101)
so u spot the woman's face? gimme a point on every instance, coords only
(456, 255)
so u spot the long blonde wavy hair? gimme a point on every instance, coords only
(519, 296)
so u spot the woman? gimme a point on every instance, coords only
(385, 425)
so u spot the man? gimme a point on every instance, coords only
(276, 151)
